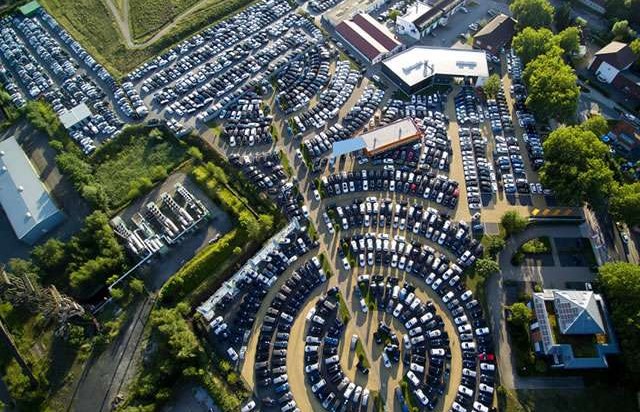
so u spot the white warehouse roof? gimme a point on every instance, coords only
(23, 197)
(72, 117)
(421, 62)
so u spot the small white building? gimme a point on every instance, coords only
(422, 18)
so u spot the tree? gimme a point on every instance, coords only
(513, 223)
(495, 244)
(622, 31)
(576, 166)
(569, 40)
(195, 153)
(620, 283)
(563, 16)
(625, 203)
(249, 223)
(553, 88)
(393, 14)
(635, 46)
(136, 285)
(51, 256)
(597, 125)
(492, 86)
(532, 13)
(521, 315)
(531, 43)
(486, 267)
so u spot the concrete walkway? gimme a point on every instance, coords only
(549, 276)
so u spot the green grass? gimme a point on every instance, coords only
(343, 310)
(91, 23)
(325, 265)
(362, 355)
(591, 399)
(408, 396)
(311, 230)
(285, 162)
(139, 158)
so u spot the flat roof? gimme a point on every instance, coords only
(416, 11)
(367, 36)
(29, 8)
(342, 147)
(74, 116)
(421, 62)
(390, 134)
(23, 196)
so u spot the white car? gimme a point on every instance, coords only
(311, 368)
(413, 378)
(248, 407)
(318, 385)
(487, 367)
(437, 352)
(416, 368)
(332, 359)
(458, 408)
(477, 406)
(469, 372)
(465, 391)
(316, 194)
(385, 360)
(365, 397)
(482, 331)
(345, 264)
(485, 388)
(421, 396)
(468, 345)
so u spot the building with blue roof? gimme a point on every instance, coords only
(23, 197)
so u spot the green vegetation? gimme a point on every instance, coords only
(552, 87)
(621, 284)
(531, 43)
(312, 231)
(576, 167)
(129, 165)
(176, 355)
(537, 246)
(325, 265)
(532, 13)
(513, 223)
(491, 87)
(343, 309)
(493, 244)
(518, 327)
(149, 16)
(408, 396)
(362, 355)
(286, 165)
(625, 203)
(10, 113)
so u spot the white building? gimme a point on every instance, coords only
(422, 18)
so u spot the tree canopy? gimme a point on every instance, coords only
(621, 285)
(513, 223)
(597, 125)
(486, 267)
(569, 40)
(531, 43)
(532, 13)
(625, 203)
(553, 89)
(563, 16)
(492, 85)
(622, 31)
(576, 166)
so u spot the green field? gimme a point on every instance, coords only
(592, 399)
(139, 158)
(92, 24)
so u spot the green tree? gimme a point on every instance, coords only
(532, 13)
(635, 46)
(485, 268)
(531, 43)
(620, 283)
(237, 250)
(622, 31)
(521, 315)
(249, 223)
(136, 285)
(569, 40)
(597, 125)
(195, 153)
(492, 86)
(495, 244)
(625, 203)
(513, 223)
(393, 15)
(553, 89)
(576, 166)
(51, 256)
(563, 16)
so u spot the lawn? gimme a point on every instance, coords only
(149, 16)
(362, 355)
(591, 399)
(343, 310)
(136, 162)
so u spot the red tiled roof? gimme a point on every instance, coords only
(367, 36)
(374, 30)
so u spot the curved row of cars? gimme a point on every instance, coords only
(247, 124)
(424, 184)
(271, 354)
(322, 367)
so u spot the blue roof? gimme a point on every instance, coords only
(23, 197)
(348, 146)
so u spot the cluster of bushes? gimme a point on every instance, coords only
(82, 265)
(518, 327)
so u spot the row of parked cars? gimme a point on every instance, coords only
(201, 47)
(425, 345)
(268, 174)
(328, 382)
(319, 6)
(271, 354)
(247, 124)
(236, 310)
(427, 222)
(425, 184)
(341, 86)
(301, 80)
(356, 119)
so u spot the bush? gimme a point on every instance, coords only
(513, 223)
